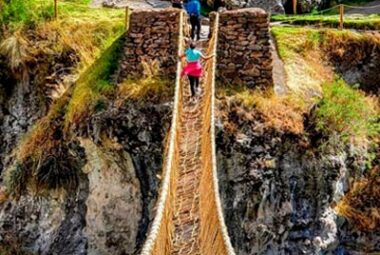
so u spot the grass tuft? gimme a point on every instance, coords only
(15, 49)
(152, 86)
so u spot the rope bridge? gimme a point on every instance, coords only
(189, 217)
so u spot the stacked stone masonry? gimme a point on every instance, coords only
(244, 51)
(152, 36)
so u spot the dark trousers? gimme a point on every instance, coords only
(194, 84)
(177, 5)
(195, 22)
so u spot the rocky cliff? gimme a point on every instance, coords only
(279, 190)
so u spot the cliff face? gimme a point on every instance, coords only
(21, 104)
(278, 190)
(109, 209)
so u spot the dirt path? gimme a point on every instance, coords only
(279, 73)
(367, 9)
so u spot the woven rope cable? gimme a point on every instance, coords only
(329, 9)
(226, 238)
(361, 7)
(153, 233)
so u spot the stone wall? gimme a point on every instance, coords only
(244, 51)
(152, 36)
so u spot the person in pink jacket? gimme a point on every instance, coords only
(193, 68)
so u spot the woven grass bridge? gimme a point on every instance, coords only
(189, 218)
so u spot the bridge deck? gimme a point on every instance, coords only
(186, 209)
(189, 218)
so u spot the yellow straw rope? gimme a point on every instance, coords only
(213, 234)
(164, 208)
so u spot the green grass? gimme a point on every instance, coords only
(371, 22)
(347, 112)
(94, 84)
(18, 12)
(295, 40)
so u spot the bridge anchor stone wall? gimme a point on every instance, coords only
(152, 36)
(244, 51)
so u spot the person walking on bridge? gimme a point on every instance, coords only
(193, 8)
(193, 68)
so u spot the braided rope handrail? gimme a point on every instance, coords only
(215, 236)
(361, 7)
(164, 194)
(338, 6)
(222, 224)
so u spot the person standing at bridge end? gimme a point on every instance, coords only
(177, 4)
(193, 8)
(193, 68)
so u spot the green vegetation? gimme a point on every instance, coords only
(370, 22)
(44, 160)
(79, 29)
(205, 10)
(347, 112)
(94, 84)
(356, 2)
(292, 41)
(17, 12)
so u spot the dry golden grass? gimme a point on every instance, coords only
(42, 138)
(152, 86)
(349, 45)
(15, 49)
(283, 113)
(87, 36)
(361, 206)
(304, 61)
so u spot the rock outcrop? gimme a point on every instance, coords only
(111, 207)
(115, 193)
